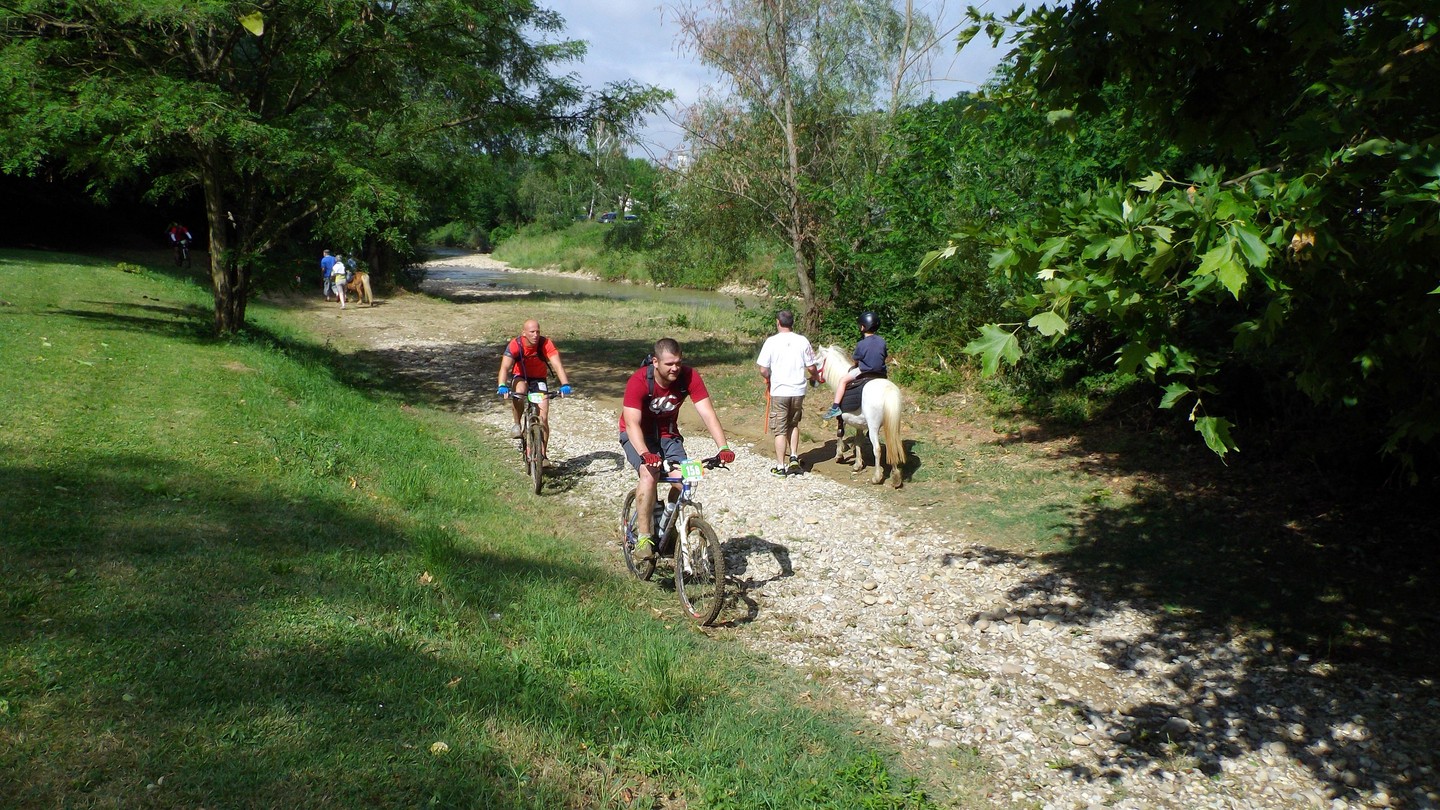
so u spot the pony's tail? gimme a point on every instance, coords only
(894, 447)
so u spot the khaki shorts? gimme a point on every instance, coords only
(785, 414)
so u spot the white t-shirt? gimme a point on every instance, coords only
(338, 269)
(786, 354)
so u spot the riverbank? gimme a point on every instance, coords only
(948, 612)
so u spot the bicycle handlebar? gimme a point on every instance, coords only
(671, 467)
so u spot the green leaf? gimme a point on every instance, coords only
(1004, 257)
(1216, 432)
(254, 23)
(1151, 183)
(1233, 276)
(1255, 250)
(1130, 357)
(1049, 323)
(1435, 291)
(934, 257)
(1213, 258)
(993, 345)
(1173, 392)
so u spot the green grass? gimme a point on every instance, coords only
(578, 247)
(249, 573)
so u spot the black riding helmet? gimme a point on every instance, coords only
(869, 322)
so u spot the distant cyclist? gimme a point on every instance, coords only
(527, 361)
(179, 234)
(179, 241)
(650, 428)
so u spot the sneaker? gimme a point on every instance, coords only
(832, 413)
(644, 548)
(793, 468)
(515, 431)
(778, 472)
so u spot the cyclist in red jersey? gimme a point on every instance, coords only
(527, 361)
(650, 429)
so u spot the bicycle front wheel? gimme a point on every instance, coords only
(535, 455)
(641, 569)
(699, 570)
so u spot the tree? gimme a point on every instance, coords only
(334, 116)
(799, 71)
(1297, 235)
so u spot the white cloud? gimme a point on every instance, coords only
(636, 40)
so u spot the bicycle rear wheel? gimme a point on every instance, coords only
(535, 454)
(641, 569)
(699, 570)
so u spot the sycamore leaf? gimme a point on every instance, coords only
(1216, 432)
(1130, 357)
(993, 345)
(1049, 323)
(1152, 182)
(1213, 258)
(1255, 250)
(254, 23)
(1233, 276)
(1004, 257)
(934, 257)
(1173, 393)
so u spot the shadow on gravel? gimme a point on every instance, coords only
(751, 563)
(1292, 618)
(566, 474)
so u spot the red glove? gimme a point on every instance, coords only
(726, 455)
(650, 459)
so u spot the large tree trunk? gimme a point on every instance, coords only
(228, 280)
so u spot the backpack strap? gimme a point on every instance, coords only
(679, 389)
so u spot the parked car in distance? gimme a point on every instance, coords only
(631, 218)
(607, 217)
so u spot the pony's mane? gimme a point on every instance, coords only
(833, 354)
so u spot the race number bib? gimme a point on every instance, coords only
(692, 470)
(536, 397)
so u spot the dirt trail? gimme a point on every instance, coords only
(1008, 681)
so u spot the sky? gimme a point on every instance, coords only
(635, 39)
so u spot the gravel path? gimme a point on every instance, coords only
(970, 655)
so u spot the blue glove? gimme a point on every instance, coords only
(564, 390)
(503, 391)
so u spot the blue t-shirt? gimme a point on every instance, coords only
(325, 264)
(870, 354)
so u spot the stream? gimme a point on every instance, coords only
(461, 271)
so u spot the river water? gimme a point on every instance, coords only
(468, 277)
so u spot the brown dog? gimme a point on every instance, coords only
(360, 287)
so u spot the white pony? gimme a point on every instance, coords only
(879, 416)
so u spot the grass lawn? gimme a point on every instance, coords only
(248, 573)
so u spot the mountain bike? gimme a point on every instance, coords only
(683, 536)
(533, 435)
(182, 253)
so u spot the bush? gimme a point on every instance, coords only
(499, 234)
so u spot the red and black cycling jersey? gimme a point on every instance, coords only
(659, 406)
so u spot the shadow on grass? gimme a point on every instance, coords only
(1291, 616)
(251, 645)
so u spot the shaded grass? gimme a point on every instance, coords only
(234, 573)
